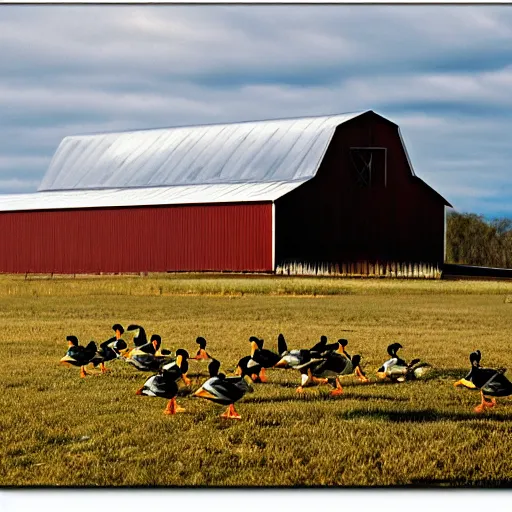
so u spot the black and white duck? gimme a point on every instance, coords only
(289, 359)
(326, 368)
(201, 354)
(78, 355)
(165, 383)
(181, 361)
(247, 366)
(149, 357)
(111, 349)
(262, 356)
(224, 390)
(491, 382)
(398, 370)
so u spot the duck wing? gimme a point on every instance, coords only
(172, 371)
(333, 364)
(266, 358)
(223, 391)
(161, 385)
(249, 366)
(146, 362)
(497, 385)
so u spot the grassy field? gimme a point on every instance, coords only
(59, 430)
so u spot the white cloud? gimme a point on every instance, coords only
(444, 74)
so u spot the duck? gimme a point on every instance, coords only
(78, 355)
(201, 354)
(356, 360)
(181, 363)
(165, 383)
(139, 337)
(265, 358)
(327, 367)
(224, 390)
(491, 382)
(292, 358)
(397, 369)
(149, 357)
(111, 349)
(247, 366)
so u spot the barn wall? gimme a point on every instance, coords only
(153, 239)
(332, 219)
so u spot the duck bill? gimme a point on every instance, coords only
(283, 363)
(465, 383)
(202, 393)
(179, 360)
(254, 347)
(67, 360)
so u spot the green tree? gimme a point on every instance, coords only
(471, 240)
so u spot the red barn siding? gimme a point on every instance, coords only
(235, 237)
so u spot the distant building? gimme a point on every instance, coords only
(227, 197)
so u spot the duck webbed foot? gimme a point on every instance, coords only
(171, 407)
(103, 368)
(83, 373)
(338, 390)
(230, 413)
(486, 404)
(361, 376)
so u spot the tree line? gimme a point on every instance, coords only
(472, 240)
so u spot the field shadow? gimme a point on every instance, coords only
(446, 373)
(316, 397)
(423, 416)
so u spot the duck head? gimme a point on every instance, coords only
(213, 368)
(256, 344)
(118, 329)
(156, 341)
(121, 347)
(393, 349)
(72, 341)
(201, 342)
(134, 327)
(474, 359)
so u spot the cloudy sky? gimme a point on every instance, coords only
(443, 73)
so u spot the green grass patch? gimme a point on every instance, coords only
(58, 429)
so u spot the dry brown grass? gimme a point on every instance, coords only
(57, 429)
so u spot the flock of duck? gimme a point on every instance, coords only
(323, 363)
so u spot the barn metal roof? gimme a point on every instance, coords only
(282, 150)
(118, 197)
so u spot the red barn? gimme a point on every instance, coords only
(230, 197)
